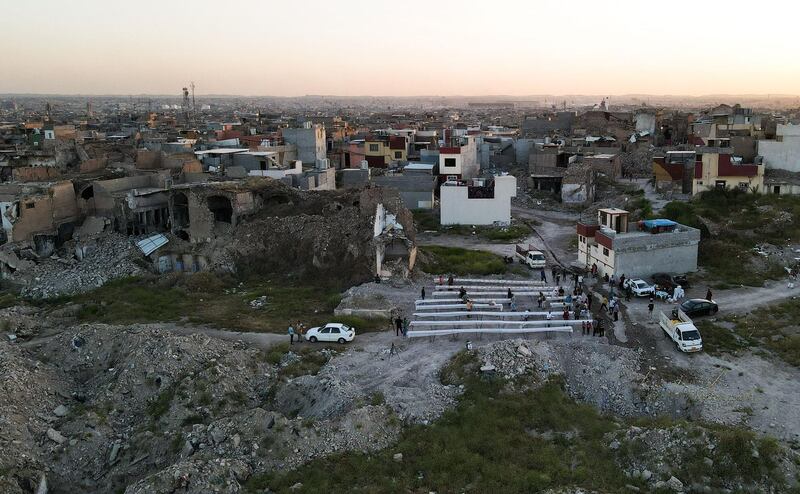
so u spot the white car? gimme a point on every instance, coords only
(640, 288)
(333, 331)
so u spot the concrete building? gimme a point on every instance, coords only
(44, 214)
(704, 169)
(477, 202)
(654, 246)
(416, 184)
(784, 152)
(459, 161)
(136, 205)
(310, 141)
(721, 170)
(605, 163)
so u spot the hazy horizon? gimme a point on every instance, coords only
(356, 48)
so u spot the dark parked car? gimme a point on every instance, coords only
(699, 307)
(669, 281)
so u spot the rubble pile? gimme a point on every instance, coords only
(31, 394)
(141, 408)
(22, 322)
(691, 458)
(638, 162)
(109, 257)
(325, 235)
(605, 376)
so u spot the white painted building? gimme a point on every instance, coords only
(784, 152)
(459, 162)
(477, 201)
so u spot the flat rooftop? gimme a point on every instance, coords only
(222, 151)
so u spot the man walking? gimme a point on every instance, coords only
(290, 331)
(423, 293)
(650, 307)
(398, 325)
(543, 276)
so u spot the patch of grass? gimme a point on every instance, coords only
(718, 340)
(192, 419)
(744, 220)
(377, 398)
(774, 329)
(486, 444)
(428, 220)
(160, 404)
(309, 363)
(437, 260)
(209, 299)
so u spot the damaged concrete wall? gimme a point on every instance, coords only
(326, 235)
(42, 213)
(148, 160)
(94, 164)
(106, 190)
(35, 173)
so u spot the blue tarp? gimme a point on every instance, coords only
(658, 223)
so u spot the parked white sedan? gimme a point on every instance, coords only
(640, 288)
(333, 331)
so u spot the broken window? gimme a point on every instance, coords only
(221, 208)
(87, 193)
(605, 251)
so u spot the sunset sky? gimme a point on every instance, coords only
(403, 48)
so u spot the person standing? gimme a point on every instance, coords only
(398, 325)
(601, 328)
(604, 304)
(405, 326)
(423, 293)
(450, 280)
(509, 295)
(708, 294)
(650, 307)
(290, 331)
(462, 293)
(616, 312)
(543, 275)
(300, 331)
(589, 298)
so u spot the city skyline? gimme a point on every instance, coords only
(356, 48)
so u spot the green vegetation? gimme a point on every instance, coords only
(458, 261)
(428, 220)
(497, 440)
(310, 359)
(160, 404)
(743, 220)
(775, 328)
(214, 300)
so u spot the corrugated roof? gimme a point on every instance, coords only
(152, 243)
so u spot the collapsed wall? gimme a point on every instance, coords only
(324, 235)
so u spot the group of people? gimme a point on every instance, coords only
(296, 332)
(400, 324)
(593, 327)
